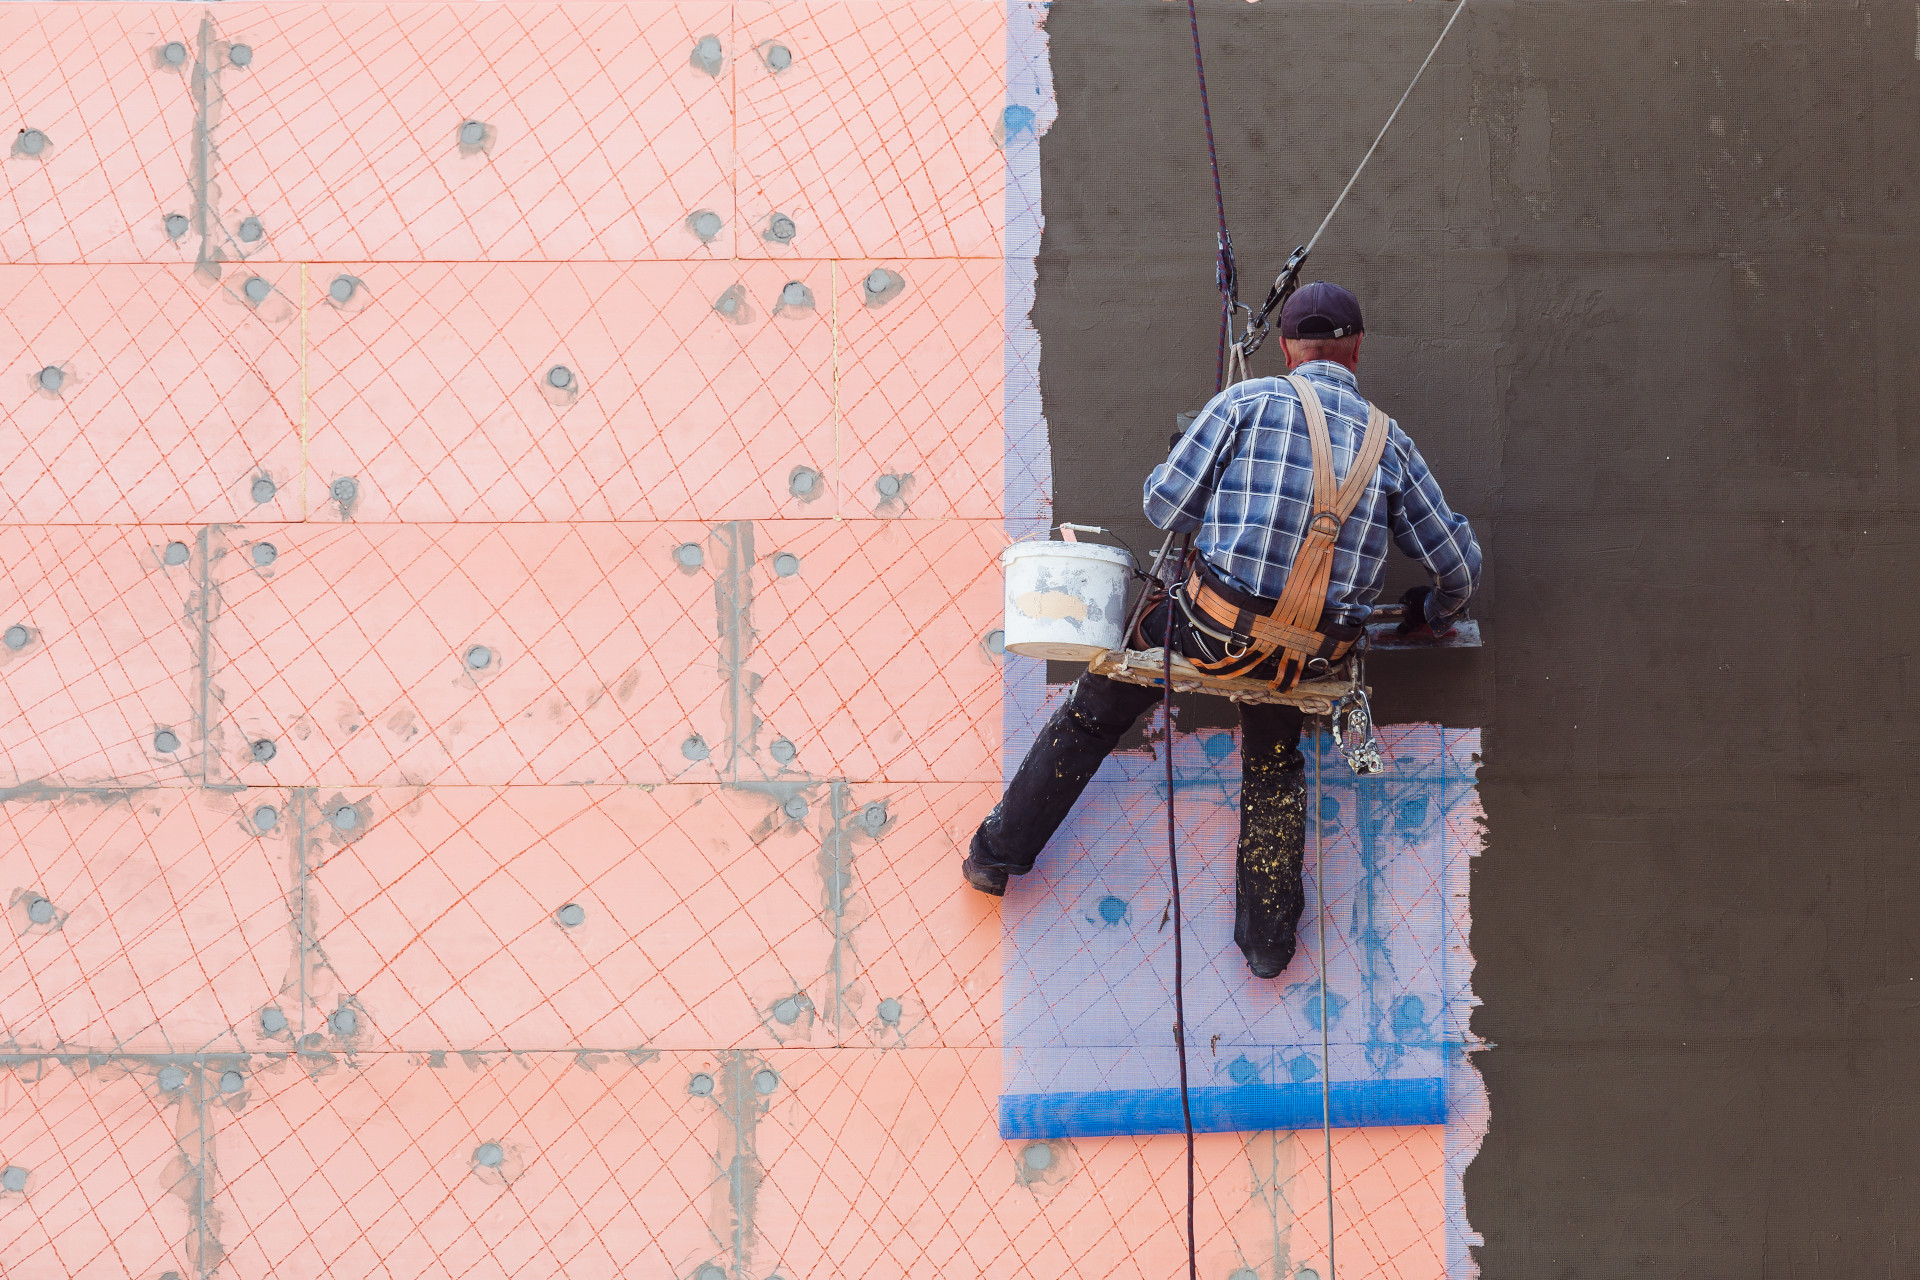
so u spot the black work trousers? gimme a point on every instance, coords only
(1089, 724)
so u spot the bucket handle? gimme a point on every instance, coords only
(1066, 530)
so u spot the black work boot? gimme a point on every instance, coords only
(1271, 960)
(987, 879)
(1066, 753)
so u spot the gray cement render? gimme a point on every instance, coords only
(1641, 282)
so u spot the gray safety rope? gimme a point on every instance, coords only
(1179, 999)
(1233, 360)
(1326, 1065)
(1458, 10)
(1256, 328)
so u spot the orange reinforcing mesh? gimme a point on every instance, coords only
(499, 507)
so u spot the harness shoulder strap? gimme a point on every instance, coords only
(1366, 461)
(1317, 439)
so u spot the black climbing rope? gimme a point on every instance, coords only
(1225, 274)
(1226, 277)
(1173, 874)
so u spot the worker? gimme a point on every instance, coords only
(1242, 480)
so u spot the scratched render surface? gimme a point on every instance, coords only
(499, 515)
(1641, 281)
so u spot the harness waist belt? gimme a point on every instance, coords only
(1331, 641)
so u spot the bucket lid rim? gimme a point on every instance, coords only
(1071, 550)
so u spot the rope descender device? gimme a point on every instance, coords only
(1259, 323)
(1352, 723)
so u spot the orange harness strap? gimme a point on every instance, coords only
(1293, 626)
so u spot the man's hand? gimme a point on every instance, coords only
(1413, 619)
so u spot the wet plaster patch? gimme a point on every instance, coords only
(474, 138)
(732, 305)
(52, 381)
(706, 225)
(789, 1017)
(882, 286)
(1042, 1167)
(560, 384)
(708, 55)
(348, 294)
(17, 642)
(891, 491)
(806, 484)
(497, 1161)
(32, 912)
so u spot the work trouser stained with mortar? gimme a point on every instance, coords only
(1090, 722)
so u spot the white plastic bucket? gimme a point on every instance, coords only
(1065, 600)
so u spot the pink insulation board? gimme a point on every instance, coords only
(499, 510)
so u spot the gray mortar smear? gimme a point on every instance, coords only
(836, 880)
(190, 1175)
(202, 605)
(206, 110)
(733, 553)
(1272, 1158)
(48, 793)
(300, 978)
(733, 605)
(737, 1191)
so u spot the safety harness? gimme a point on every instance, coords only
(1295, 628)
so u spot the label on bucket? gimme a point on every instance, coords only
(1051, 604)
(1065, 600)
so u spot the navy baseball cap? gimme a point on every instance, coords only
(1320, 310)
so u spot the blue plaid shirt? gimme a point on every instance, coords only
(1242, 479)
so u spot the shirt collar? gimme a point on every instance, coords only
(1329, 370)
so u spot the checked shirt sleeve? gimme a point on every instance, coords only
(1177, 493)
(1428, 531)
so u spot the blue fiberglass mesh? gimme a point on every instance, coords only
(1089, 1013)
(1089, 1001)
